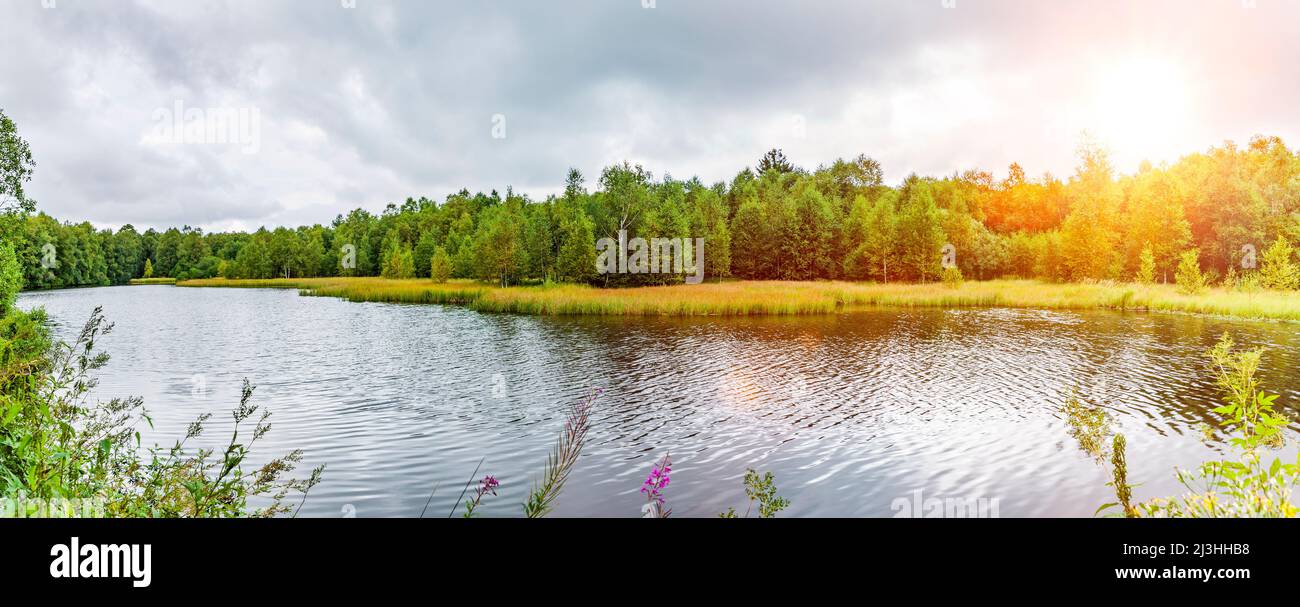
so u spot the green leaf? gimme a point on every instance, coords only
(1104, 507)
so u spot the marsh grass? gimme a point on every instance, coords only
(744, 298)
(153, 281)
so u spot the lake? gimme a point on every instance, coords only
(852, 412)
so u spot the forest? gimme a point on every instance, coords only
(1229, 208)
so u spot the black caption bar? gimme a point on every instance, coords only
(298, 558)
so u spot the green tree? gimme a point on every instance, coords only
(440, 265)
(920, 235)
(1189, 277)
(1156, 221)
(1090, 232)
(148, 268)
(460, 245)
(541, 240)
(751, 241)
(774, 160)
(125, 254)
(16, 166)
(399, 261)
(499, 245)
(576, 261)
(424, 250)
(1146, 273)
(880, 246)
(168, 252)
(11, 278)
(1278, 269)
(808, 237)
(717, 250)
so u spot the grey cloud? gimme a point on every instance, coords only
(365, 106)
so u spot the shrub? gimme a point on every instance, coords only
(760, 490)
(951, 277)
(1189, 278)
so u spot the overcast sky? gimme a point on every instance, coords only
(365, 105)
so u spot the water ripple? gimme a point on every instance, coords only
(851, 411)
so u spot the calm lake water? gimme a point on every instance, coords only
(851, 411)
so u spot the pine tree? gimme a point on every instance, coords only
(774, 160)
(148, 268)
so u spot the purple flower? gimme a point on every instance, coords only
(487, 486)
(654, 485)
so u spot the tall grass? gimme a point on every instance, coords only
(787, 298)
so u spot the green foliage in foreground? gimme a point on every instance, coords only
(760, 490)
(57, 445)
(1250, 484)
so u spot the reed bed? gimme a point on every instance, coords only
(153, 281)
(785, 298)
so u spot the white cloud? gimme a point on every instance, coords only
(366, 106)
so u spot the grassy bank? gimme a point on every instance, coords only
(153, 281)
(769, 298)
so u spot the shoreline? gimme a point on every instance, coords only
(785, 298)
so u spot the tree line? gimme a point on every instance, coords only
(1229, 207)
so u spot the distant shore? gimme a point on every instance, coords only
(746, 298)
